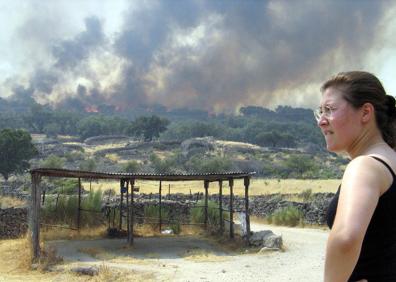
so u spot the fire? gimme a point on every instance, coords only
(91, 109)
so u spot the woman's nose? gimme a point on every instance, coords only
(322, 121)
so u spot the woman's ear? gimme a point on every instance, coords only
(367, 112)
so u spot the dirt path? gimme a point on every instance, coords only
(193, 259)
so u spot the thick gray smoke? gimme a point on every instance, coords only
(211, 55)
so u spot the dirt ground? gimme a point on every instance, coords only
(187, 258)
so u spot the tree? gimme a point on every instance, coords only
(131, 167)
(53, 162)
(88, 165)
(301, 165)
(16, 149)
(148, 127)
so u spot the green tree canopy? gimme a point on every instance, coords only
(16, 149)
(148, 127)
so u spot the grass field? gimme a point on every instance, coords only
(257, 186)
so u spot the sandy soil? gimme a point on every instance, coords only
(195, 259)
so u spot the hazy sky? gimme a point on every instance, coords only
(211, 55)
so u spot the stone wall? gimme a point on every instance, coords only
(13, 222)
(314, 210)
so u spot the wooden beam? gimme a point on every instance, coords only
(231, 183)
(160, 216)
(79, 205)
(35, 216)
(221, 206)
(141, 176)
(246, 182)
(131, 221)
(128, 208)
(206, 186)
(121, 200)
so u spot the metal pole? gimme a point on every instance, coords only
(221, 206)
(231, 183)
(246, 182)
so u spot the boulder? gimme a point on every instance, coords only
(266, 239)
(86, 270)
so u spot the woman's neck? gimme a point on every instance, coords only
(367, 143)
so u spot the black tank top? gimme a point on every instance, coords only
(377, 259)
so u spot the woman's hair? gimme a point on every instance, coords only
(358, 88)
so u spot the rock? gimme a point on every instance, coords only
(86, 270)
(266, 239)
(197, 145)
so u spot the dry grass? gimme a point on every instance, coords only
(198, 255)
(90, 149)
(15, 265)
(98, 253)
(258, 186)
(107, 273)
(68, 234)
(9, 202)
(113, 157)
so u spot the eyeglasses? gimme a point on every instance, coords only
(326, 111)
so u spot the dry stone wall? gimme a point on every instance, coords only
(13, 222)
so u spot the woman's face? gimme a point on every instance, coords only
(340, 122)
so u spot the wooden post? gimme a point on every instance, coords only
(169, 191)
(121, 200)
(79, 205)
(35, 216)
(246, 182)
(206, 185)
(231, 183)
(131, 221)
(221, 206)
(128, 207)
(160, 216)
(43, 197)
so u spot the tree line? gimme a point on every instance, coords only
(283, 127)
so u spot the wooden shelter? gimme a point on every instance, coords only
(127, 181)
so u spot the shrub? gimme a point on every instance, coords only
(63, 209)
(197, 214)
(131, 167)
(88, 165)
(66, 186)
(289, 216)
(175, 227)
(306, 195)
(53, 162)
(151, 214)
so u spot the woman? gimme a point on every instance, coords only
(358, 118)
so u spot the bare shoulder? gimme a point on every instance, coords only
(367, 171)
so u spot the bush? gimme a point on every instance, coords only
(201, 164)
(63, 209)
(66, 186)
(306, 195)
(53, 162)
(151, 214)
(197, 214)
(131, 167)
(88, 165)
(175, 227)
(289, 216)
